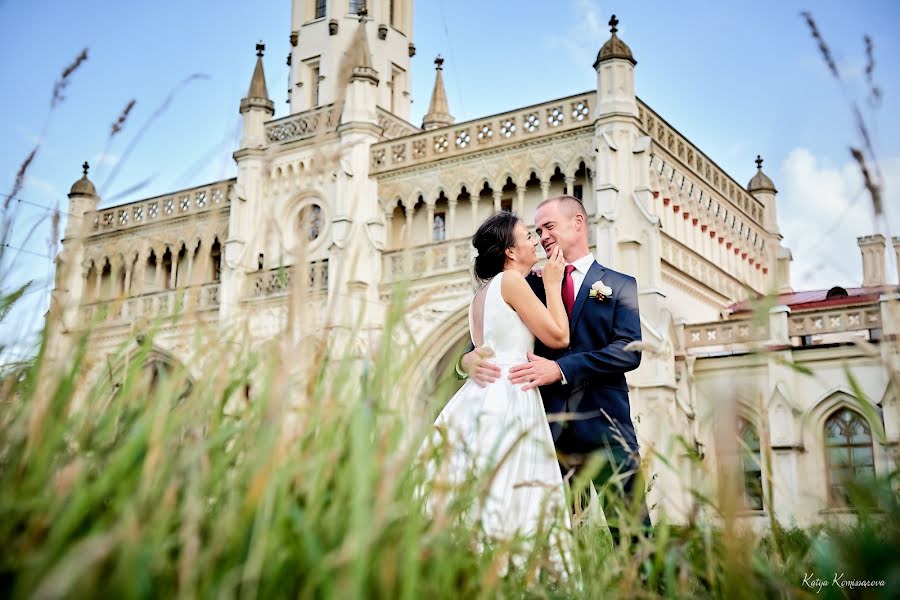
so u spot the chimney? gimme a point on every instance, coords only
(872, 248)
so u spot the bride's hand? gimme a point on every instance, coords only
(553, 270)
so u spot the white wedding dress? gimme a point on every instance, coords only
(504, 429)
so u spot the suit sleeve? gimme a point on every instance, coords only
(579, 367)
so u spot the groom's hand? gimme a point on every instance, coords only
(478, 366)
(536, 372)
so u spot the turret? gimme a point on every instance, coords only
(83, 199)
(362, 83)
(764, 190)
(256, 107)
(615, 76)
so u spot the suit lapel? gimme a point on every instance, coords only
(593, 274)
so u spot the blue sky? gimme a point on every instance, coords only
(736, 79)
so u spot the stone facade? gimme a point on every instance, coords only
(348, 198)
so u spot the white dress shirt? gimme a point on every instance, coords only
(582, 266)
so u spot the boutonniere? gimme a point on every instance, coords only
(600, 291)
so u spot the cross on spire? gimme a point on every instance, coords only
(613, 24)
(759, 162)
(85, 168)
(439, 61)
(260, 48)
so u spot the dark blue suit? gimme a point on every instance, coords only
(595, 364)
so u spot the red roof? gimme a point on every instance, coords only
(819, 299)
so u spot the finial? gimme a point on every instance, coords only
(759, 162)
(613, 24)
(85, 168)
(260, 48)
(439, 61)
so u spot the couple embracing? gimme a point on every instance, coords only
(546, 399)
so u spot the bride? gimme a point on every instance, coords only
(500, 431)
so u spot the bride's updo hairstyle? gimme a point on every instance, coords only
(491, 240)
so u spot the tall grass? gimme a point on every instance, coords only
(185, 485)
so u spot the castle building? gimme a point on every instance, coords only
(349, 196)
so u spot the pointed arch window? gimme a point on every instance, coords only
(849, 452)
(751, 464)
(439, 229)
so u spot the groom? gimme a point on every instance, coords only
(583, 386)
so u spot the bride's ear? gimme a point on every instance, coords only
(510, 253)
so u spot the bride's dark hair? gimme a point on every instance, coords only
(491, 240)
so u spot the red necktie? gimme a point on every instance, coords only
(568, 290)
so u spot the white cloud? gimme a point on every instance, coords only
(104, 159)
(822, 209)
(584, 38)
(41, 185)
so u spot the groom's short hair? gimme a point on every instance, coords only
(570, 204)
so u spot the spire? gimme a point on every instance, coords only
(614, 47)
(258, 94)
(760, 181)
(359, 55)
(438, 111)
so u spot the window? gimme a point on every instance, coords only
(751, 464)
(314, 84)
(310, 222)
(392, 13)
(396, 86)
(578, 192)
(849, 453)
(320, 9)
(506, 205)
(215, 260)
(356, 6)
(439, 230)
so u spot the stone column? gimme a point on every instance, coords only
(451, 218)
(409, 224)
(545, 190)
(190, 266)
(429, 212)
(129, 272)
(570, 183)
(158, 274)
(520, 201)
(474, 200)
(389, 228)
(498, 196)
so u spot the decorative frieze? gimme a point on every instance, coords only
(723, 333)
(278, 281)
(154, 210)
(425, 261)
(303, 125)
(568, 113)
(857, 318)
(155, 305)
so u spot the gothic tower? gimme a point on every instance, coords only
(322, 31)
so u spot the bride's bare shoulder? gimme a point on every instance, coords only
(513, 285)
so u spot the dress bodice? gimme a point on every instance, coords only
(504, 330)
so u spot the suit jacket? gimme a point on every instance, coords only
(595, 364)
